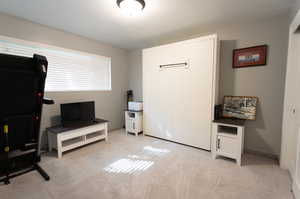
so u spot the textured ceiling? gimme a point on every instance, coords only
(102, 20)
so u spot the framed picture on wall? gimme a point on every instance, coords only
(247, 57)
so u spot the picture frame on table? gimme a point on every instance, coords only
(241, 107)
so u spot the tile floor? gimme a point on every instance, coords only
(148, 168)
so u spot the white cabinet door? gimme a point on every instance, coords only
(179, 101)
(129, 123)
(227, 146)
(130, 126)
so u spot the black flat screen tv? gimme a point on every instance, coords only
(77, 114)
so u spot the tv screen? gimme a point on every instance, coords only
(77, 113)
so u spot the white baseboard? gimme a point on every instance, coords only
(296, 190)
(268, 155)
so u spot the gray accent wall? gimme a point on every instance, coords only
(136, 74)
(266, 82)
(109, 104)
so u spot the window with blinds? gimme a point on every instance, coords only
(67, 70)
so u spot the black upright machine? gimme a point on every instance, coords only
(22, 83)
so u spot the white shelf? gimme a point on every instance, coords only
(72, 146)
(94, 139)
(227, 134)
(95, 135)
(70, 142)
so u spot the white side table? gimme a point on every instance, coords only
(228, 139)
(134, 122)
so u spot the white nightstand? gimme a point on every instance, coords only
(228, 139)
(134, 122)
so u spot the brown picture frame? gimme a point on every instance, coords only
(250, 57)
(241, 107)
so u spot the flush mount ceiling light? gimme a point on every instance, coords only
(131, 7)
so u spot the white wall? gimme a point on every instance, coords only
(266, 82)
(291, 120)
(109, 104)
(135, 74)
(294, 9)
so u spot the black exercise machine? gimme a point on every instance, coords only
(22, 83)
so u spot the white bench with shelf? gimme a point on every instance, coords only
(64, 139)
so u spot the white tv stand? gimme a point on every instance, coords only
(64, 139)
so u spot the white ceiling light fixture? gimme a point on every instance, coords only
(131, 7)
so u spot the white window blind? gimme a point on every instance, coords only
(67, 70)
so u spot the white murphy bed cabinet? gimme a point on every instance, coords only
(180, 87)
